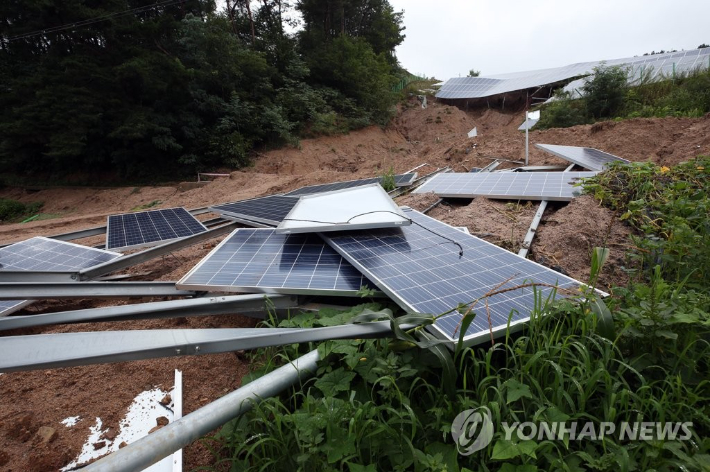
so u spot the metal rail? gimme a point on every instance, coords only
(402, 190)
(178, 434)
(48, 351)
(251, 305)
(47, 290)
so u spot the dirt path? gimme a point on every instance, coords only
(32, 404)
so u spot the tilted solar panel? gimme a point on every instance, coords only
(401, 180)
(527, 124)
(431, 267)
(47, 255)
(269, 210)
(556, 186)
(589, 158)
(147, 228)
(259, 260)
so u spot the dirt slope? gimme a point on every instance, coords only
(436, 136)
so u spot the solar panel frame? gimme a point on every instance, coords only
(363, 207)
(423, 273)
(551, 186)
(259, 260)
(269, 210)
(589, 158)
(15, 257)
(150, 228)
(400, 180)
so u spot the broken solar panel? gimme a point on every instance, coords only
(269, 210)
(149, 228)
(401, 180)
(40, 254)
(261, 261)
(363, 207)
(589, 158)
(528, 124)
(556, 186)
(420, 268)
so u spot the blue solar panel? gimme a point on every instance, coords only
(47, 255)
(557, 186)
(401, 180)
(589, 158)
(153, 227)
(259, 260)
(269, 210)
(423, 273)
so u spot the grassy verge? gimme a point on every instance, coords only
(12, 211)
(389, 404)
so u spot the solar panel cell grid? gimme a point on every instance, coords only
(259, 260)
(400, 180)
(589, 158)
(424, 273)
(557, 186)
(146, 228)
(269, 210)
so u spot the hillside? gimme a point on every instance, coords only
(435, 136)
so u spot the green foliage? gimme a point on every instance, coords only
(178, 89)
(474, 73)
(670, 208)
(13, 210)
(683, 95)
(387, 180)
(563, 112)
(605, 90)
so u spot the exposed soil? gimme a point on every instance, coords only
(32, 404)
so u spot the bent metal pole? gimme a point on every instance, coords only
(176, 435)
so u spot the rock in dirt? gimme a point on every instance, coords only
(46, 434)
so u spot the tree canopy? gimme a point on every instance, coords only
(133, 88)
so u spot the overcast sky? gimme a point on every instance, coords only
(447, 38)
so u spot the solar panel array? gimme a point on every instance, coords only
(646, 67)
(269, 210)
(420, 268)
(47, 255)
(146, 228)
(589, 158)
(401, 180)
(259, 260)
(557, 186)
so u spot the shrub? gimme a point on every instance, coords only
(11, 209)
(605, 91)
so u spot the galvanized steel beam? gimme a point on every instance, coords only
(46, 290)
(46, 351)
(252, 305)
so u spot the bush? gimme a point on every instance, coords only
(12, 209)
(562, 113)
(605, 91)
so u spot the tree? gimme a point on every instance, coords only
(474, 73)
(605, 91)
(703, 46)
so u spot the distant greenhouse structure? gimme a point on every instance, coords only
(519, 89)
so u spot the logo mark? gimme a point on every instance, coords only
(472, 430)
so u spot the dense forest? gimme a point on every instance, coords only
(137, 88)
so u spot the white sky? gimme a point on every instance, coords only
(447, 38)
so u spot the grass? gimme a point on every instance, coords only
(147, 205)
(644, 355)
(12, 211)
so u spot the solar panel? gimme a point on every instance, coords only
(149, 228)
(639, 68)
(589, 158)
(259, 260)
(557, 186)
(420, 268)
(269, 210)
(400, 180)
(368, 206)
(47, 255)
